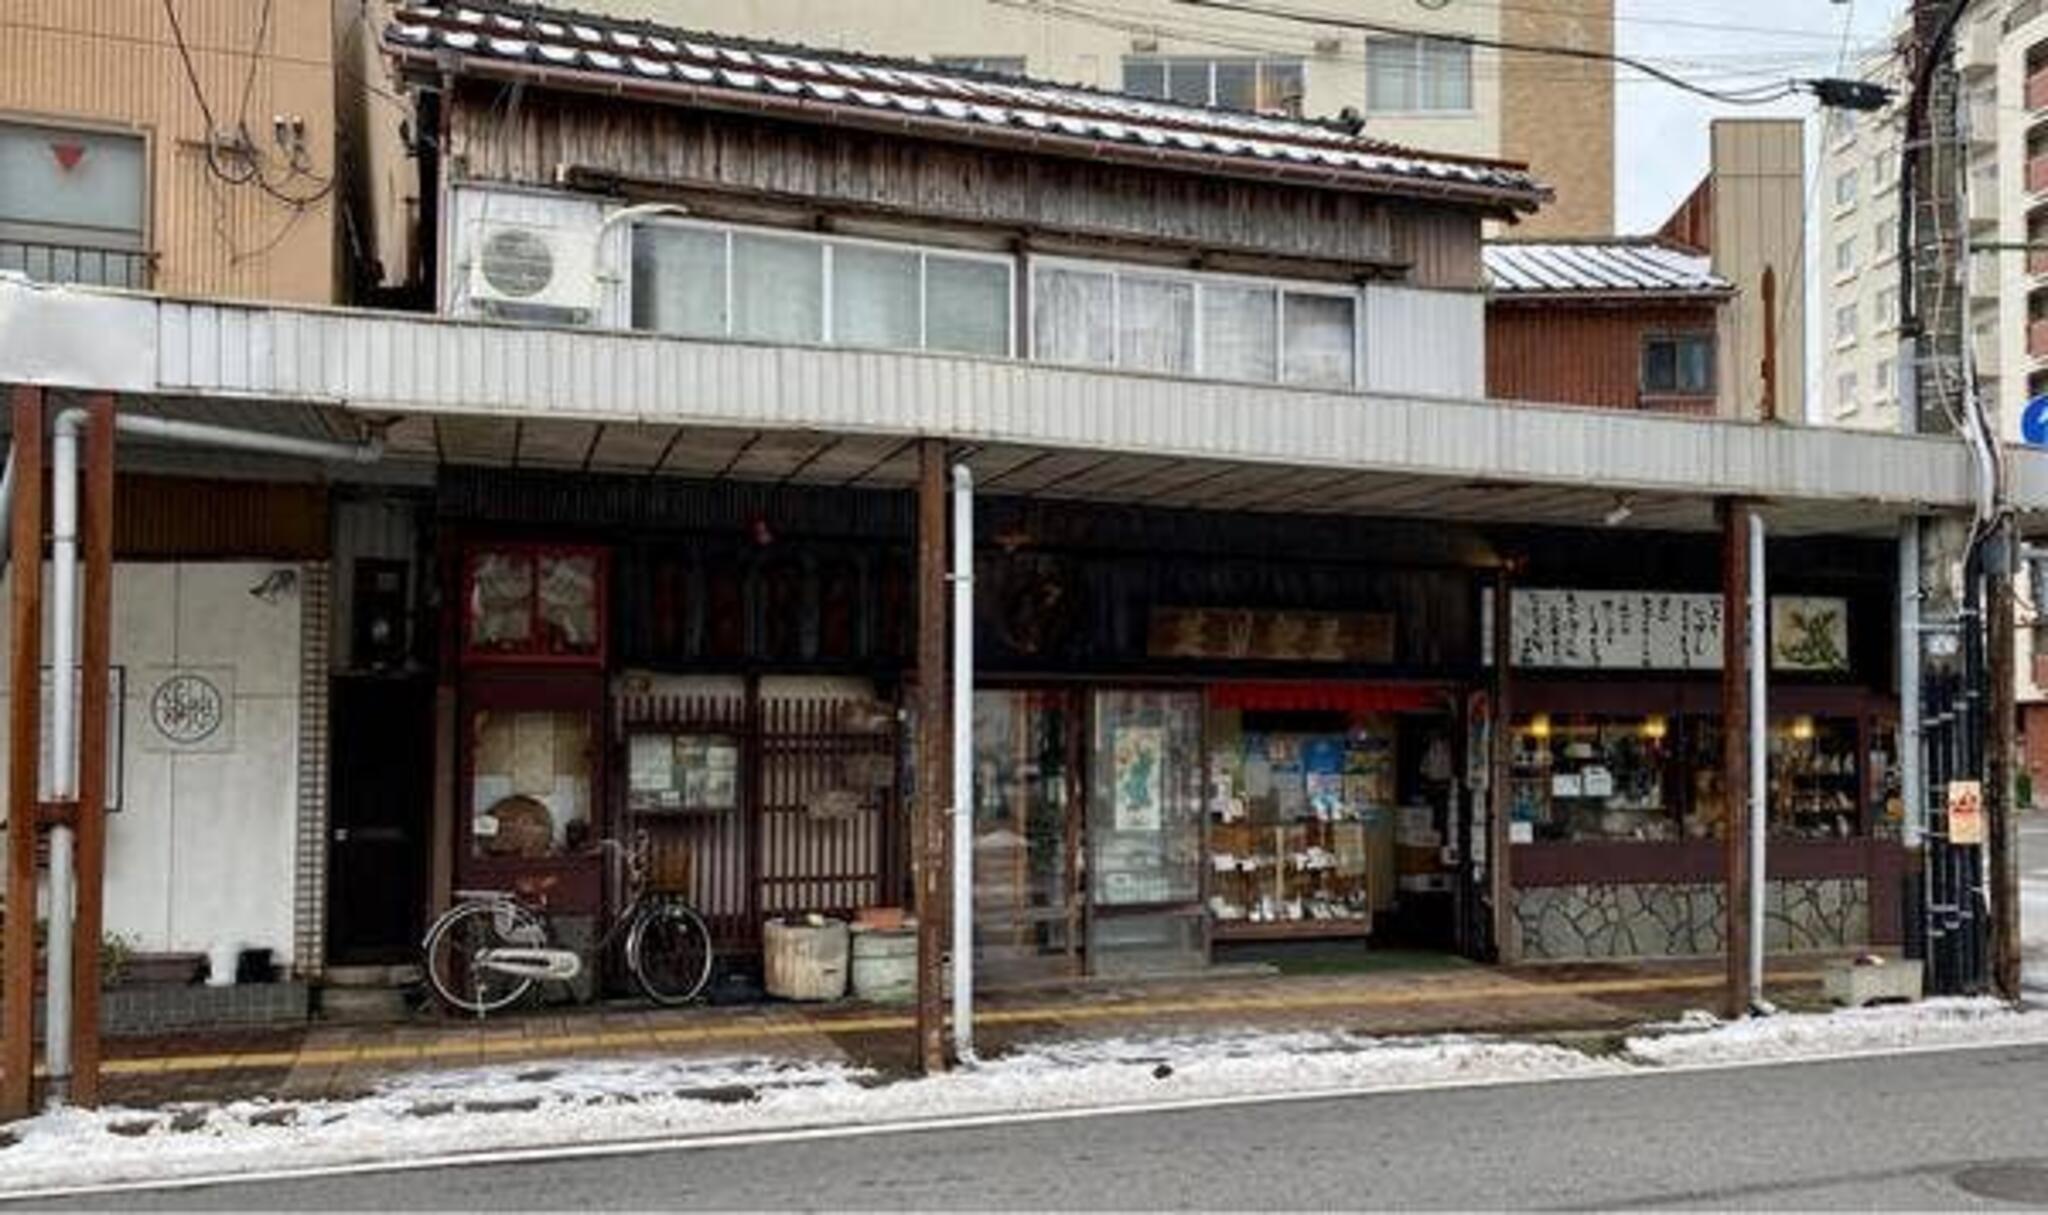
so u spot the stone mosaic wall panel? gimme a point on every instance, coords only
(1664, 920)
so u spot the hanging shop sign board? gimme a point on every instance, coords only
(1662, 631)
(1272, 636)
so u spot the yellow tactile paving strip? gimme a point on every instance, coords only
(507, 1040)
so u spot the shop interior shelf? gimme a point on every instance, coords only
(1277, 930)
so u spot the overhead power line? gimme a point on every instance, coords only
(1758, 95)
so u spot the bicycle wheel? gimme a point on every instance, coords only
(668, 949)
(460, 936)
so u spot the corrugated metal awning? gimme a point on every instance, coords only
(474, 392)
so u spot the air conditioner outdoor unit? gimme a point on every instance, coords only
(532, 268)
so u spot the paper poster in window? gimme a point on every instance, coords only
(1140, 759)
(1809, 634)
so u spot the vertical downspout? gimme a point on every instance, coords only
(1759, 756)
(963, 764)
(1912, 773)
(63, 743)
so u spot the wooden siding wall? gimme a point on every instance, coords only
(159, 518)
(525, 139)
(1584, 354)
(114, 64)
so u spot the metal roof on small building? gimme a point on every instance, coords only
(580, 50)
(1643, 268)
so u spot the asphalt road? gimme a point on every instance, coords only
(1915, 1131)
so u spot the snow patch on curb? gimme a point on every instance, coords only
(608, 1101)
(1699, 1038)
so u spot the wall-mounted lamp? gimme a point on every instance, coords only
(276, 585)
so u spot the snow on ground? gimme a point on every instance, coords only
(1700, 1039)
(585, 1102)
(607, 1101)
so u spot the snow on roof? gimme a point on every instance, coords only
(1614, 266)
(907, 91)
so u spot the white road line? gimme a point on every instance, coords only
(802, 1134)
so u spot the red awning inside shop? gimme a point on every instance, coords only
(1330, 697)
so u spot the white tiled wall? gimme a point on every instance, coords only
(202, 849)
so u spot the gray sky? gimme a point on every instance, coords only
(1661, 132)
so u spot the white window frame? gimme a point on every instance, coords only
(1848, 244)
(1283, 287)
(1855, 189)
(1855, 315)
(1886, 305)
(1847, 404)
(826, 337)
(1261, 63)
(1884, 250)
(1418, 41)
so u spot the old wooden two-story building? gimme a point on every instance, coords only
(643, 549)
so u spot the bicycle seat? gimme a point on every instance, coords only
(483, 896)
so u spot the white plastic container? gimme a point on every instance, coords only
(804, 961)
(223, 958)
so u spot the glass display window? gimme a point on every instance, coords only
(1594, 777)
(1816, 781)
(534, 603)
(530, 783)
(682, 772)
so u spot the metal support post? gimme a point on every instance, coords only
(1759, 754)
(963, 763)
(2001, 815)
(1499, 834)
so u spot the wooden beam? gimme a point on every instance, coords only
(96, 527)
(1499, 765)
(931, 857)
(1735, 660)
(25, 662)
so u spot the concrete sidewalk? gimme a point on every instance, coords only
(328, 1061)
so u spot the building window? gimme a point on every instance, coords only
(1193, 324)
(1845, 256)
(1417, 74)
(994, 65)
(1884, 239)
(1881, 380)
(1845, 394)
(73, 205)
(1845, 325)
(1845, 188)
(1887, 308)
(1266, 86)
(706, 280)
(1884, 170)
(1841, 128)
(1680, 364)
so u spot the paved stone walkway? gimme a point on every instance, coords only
(336, 1061)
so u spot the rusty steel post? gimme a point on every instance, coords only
(1500, 762)
(930, 855)
(24, 726)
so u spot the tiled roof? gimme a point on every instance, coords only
(906, 92)
(1615, 267)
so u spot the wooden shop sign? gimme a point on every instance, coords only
(1246, 634)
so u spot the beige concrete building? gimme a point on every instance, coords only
(1556, 114)
(206, 170)
(1748, 216)
(1857, 245)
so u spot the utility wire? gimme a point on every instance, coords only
(1761, 95)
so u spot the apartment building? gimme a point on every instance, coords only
(187, 147)
(2001, 56)
(1555, 114)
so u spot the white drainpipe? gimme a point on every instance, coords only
(1759, 756)
(63, 737)
(64, 663)
(963, 764)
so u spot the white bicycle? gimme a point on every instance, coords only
(487, 951)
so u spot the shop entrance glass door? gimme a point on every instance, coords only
(1145, 832)
(1027, 834)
